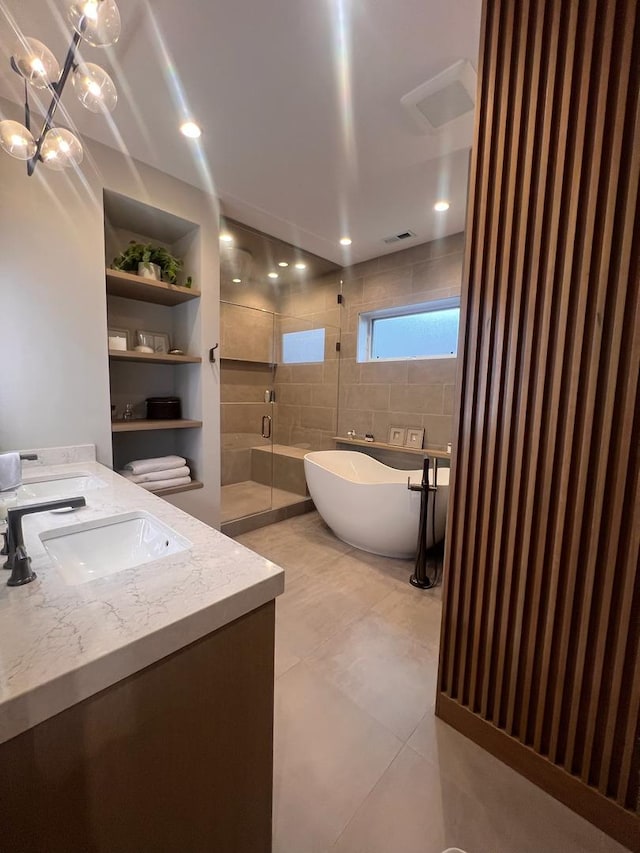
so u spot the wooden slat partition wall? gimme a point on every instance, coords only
(540, 654)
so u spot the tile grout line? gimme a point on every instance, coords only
(371, 792)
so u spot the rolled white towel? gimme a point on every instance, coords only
(156, 485)
(167, 474)
(160, 463)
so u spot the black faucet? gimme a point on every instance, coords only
(18, 562)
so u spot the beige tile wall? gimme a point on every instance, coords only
(373, 396)
(306, 411)
(245, 333)
(314, 402)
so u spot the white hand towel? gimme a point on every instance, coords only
(165, 484)
(160, 463)
(10, 471)
(167, 474)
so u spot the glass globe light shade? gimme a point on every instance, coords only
(16, 140)
(95, 89)
(97, 21)
(61, 149)
(36, 63)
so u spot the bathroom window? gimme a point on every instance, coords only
(303, 347)
(429, 330)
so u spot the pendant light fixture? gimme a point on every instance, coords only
(97, 22)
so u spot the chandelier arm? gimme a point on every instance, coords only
(27, 109)
(57, 89)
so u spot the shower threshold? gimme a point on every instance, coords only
(240, 500)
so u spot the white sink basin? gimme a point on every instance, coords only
(94, 549)
(57, 486)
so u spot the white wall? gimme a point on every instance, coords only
(54, 376)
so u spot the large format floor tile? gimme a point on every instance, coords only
(418, 808)
(328, 756)
(386, 673)
(362, 765)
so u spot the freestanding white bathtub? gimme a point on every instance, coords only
(368, 505)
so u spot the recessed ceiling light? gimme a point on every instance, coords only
(225, 237)
(190, 129)
(273, 275)
(345, 241)
(301, 266)
(441, 206)
(283, 263)
(236, 280)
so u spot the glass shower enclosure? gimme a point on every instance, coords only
(279, 398)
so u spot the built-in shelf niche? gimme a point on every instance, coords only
(132, 286)
(152, 357)
(135, 303)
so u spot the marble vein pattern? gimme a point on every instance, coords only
(60, 456)
(60, 644)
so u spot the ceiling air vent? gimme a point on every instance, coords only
(443, 99)
(395, 238)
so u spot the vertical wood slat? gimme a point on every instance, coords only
(473, 359)
(566, 482)
(530, 243)
(521, 673)
(540, 634)
(507, 364)
(452, 593)
(629, 403)
(613, 276)
(555, 250)
(586, 160)
(520, 346)
(492, 341)
(586, 553)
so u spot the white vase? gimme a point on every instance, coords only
(149, 270)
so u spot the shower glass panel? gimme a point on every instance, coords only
(247, 368)
(306, 383)
(279, 398)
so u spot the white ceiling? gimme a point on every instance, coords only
(304, 136)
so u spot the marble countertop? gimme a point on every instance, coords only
(60, 644)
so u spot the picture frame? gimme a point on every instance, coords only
(414, 438)
(158, 341)
(119, 339)
(397, 435)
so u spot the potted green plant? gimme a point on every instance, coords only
(149, 261)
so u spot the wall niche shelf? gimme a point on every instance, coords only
(131, 286)
(145, 425)
(174, 490)
(152, 357)
(136, 303)
(381, 445)
(269, 364)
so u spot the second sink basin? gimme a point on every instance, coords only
(50, 488)
(94, 549)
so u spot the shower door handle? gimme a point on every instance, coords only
(266, 426)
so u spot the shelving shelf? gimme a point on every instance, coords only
(132, 286)
(144, 425)
(248, 361)
(152, 357)
(425, 451)
(174, 490)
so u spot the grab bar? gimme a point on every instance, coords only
(266, 426)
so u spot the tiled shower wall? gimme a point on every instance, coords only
(247, 335)
(375, 396)
(306, 411)
(311, 404)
